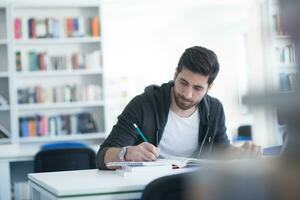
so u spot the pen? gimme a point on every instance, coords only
(140, 132)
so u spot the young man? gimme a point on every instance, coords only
(177, 118)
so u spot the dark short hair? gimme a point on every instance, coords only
(200, 60)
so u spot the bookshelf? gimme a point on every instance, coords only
(55, 73)
(54, 41)
(3, 74)
(3, 42)
(51, 73)
(282, 51)
(280, 61)
(5, 99)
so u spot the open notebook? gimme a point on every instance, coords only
(175, 162)
(144, 170)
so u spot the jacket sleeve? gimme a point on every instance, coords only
(123, 133)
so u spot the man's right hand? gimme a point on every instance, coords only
(142, 152)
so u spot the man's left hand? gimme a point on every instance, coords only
(251, 149)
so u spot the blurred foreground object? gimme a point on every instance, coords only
(271, 178)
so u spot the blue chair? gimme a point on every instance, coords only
(64, 156)
(58, 145)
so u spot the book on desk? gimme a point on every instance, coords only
(160, 165)
(144, 170)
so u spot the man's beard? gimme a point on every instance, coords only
(183, 103)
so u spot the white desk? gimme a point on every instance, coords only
(90, 184)
(15, 153)
(9, 154)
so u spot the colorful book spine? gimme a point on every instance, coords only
(18, 61)
(33, 61)
(41, 28)
(31, 28)
(95, 26)
(32, 127)
(24, 132)
(18, 28)
(42, 61)
(81, 27)
(54, 28)
(52, 126)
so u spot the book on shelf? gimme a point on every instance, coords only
(287, 81)
(87, 123)
(31, 28)
(69, 27)
(52, 28)
(95, 26)
(42, 61)
(32, 127)
(278, 27)
(33, 61)
(18, 61)
(286, 54)
(68, 124)
(64, 93)
(41, 28)
(75, 27)
(18, 28)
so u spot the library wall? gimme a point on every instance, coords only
(154, 35)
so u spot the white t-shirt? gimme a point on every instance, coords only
(180, 137)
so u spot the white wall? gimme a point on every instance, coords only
(143, 42)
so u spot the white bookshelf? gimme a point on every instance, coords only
(57, 41)
(55, 73)
(43, 106)
(280, 60)
(3, 42)
(4, 75)
(12, 80)
(5, 111)
(4, 108)
(75, 137)
(282, 49)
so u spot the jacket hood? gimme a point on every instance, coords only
(162, 94)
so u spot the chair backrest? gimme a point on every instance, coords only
(64, 144)
(244, 133)
(64, 159)
(171, 187)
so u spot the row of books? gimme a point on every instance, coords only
(65, 93)
(39, 125)
(278, 28)
(286, 54)
(287, 81)
(56, 28)
(40, 61)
